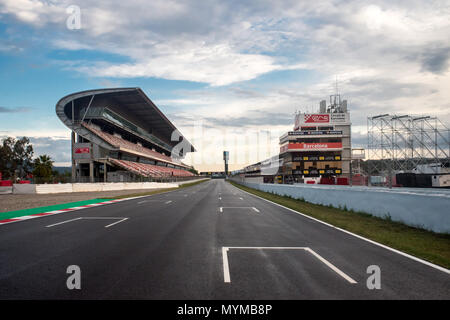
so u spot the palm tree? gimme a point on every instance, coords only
(43, 166)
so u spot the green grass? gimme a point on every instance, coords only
(427, 245)
(149, 193)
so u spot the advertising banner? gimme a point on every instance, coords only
(82, 151)
(301, 146)
(321, 118)
(313, 133)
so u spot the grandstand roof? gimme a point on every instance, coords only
(131, 103)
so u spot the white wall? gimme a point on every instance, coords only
(6, 190)
(91, 187)
(418, 207)
(24, 188)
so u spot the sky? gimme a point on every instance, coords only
(229, 74)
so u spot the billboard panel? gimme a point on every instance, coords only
(301, 146)
(82, 151)
(321, 118)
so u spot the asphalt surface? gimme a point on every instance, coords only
(209, 241)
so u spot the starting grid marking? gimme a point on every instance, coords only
(44, 214)
(121, 219)
(226, 267)
(253, 208)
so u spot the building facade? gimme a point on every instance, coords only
(319, 145)
(120, 135)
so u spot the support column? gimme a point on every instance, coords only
(74, 165)
(91, 171)
(104, 172)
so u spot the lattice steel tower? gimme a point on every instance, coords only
(406, 142)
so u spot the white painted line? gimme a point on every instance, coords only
(226, 269)
(269, 248)
(357, 236)
(92, 218)
(55, 224)
(109, 225)
(253, 208)
(167, 202)
(241, 198)
(100, 218)
(331, 266)
(145, 201)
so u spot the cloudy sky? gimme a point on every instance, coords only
(237, 68)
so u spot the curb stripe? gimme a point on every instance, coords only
(43, 214)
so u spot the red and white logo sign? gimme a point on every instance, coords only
(313, 146)
(82, 150)
(317, 118)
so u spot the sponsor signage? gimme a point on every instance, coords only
(316, 118)
(82, 150)
(301, 146)
(314, 133)
(321, 118)
(313, 171)
(317, 158)
(338, 117)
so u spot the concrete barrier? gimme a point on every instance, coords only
(89, 187)
(24, 188)
(54, 188)
(417, 207)
(6, 190)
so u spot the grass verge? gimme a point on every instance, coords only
(149, 193)
(427, 245)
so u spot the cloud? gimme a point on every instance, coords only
(57, 148)
(436, 60)
(217, 65)
(15, 109)
(261, 60)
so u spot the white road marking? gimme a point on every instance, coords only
(167, 202)
(109, 225)
(92, 218)
(220, 198)
(331, 266)
(253, 208)
(358, 236)
(144, 201)
(241, 198)
(55, 224)
(226, 268)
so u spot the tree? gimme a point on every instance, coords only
(43, 167)
(193, 171)
(16, 157)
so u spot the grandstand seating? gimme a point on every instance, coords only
(150, 170)
(130, 146)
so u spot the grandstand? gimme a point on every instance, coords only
(120, 135)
